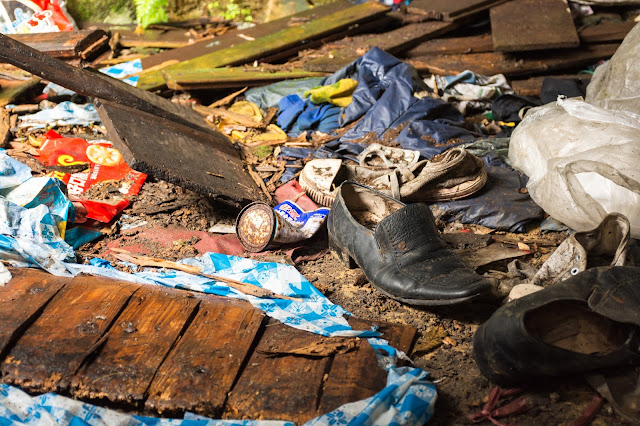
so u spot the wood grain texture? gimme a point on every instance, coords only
(179, 154)
(513, 64)
(23, 299)
(456, 9)
(202, 367)
(261, 389)
(521, 25)
(606, 32)
(272, 43)
(452, 46)
(135, 347)
(52, 349)
(356, 375)
(233, 37)
(66, 44)
(220, 78)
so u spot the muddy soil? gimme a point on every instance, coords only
(444, 347)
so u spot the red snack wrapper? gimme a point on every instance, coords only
(34, 16)
(106, 170)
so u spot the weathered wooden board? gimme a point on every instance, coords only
(282, 40)
(220, 78)
(522, 25)
(453, 10)
(452, 46)
(513, 64)
(96, 84)
(22, 300)
(135, 347)
(354, 374)
(202, 162)
(394, 41)
(52, 349)
(270, 377)
(67, 44)
(233, 37)
(202, 367)
(606, 32)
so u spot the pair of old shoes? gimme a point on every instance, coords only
(451, 175)
(398, 248)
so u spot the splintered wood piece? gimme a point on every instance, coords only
(135, 347)
(65, 44)
(220, 78)
(22, 300)
(521, 25)
(452, 46)
(283, 40)
(179, 154)
(453, 10)
(513, 64)
(250, 289)
(262, 386)
(356, 375)
(52, 349)
(5, 128)
(98, 85)
(202, 367)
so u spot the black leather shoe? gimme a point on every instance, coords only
(590, 321)
(398, 248)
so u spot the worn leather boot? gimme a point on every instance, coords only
(398, 248)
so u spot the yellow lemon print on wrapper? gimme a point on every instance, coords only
(103, 155)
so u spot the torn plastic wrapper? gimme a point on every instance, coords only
(34, 16)
(260, 226)
(106, 167)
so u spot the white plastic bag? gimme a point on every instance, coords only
(583, 157)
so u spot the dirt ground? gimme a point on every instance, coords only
(444, 347)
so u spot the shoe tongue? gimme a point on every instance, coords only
(411, 227)
(619, 303)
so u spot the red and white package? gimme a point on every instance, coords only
(34, 16)
(106, 167)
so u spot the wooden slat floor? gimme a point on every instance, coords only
(161, 351)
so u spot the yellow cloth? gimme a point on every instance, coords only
(339, 93)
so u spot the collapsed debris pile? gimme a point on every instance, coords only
(421, 165)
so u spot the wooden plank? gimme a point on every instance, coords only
(356, 375)
(135, 347)
(454, 10)
(200, 370)
(66, 44)
(279, 387)
(96, 84)
(233, 37)
(606, 32)
(452, 46)
(231, 77)
(513, 64)
(179, 154)
(52, 349)
(395, 41)
(522, 25)
(272, 43)
(22, 300)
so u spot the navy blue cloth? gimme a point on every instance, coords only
(501, 204)
(384, 100)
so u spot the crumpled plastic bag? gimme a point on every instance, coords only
(582, 156)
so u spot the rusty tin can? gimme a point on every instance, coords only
(259, 226)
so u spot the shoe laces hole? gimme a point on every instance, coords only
(574, 271)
